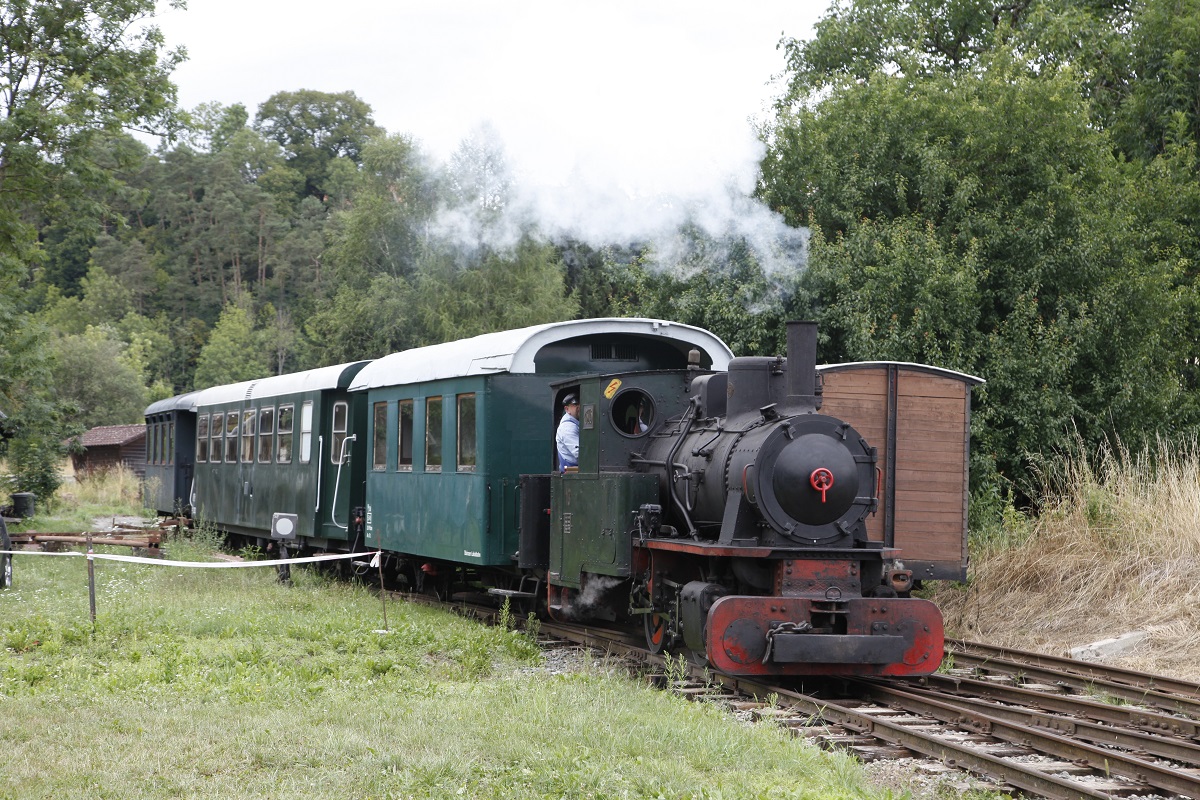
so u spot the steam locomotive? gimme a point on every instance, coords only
(719, 503)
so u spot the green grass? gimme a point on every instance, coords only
(223, 683)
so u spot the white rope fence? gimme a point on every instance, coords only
(374, 555)
(376, 562)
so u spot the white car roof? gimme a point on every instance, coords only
(515, 351)
(312, 380)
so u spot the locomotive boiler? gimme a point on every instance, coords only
(746, 531)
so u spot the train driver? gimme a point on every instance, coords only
(567, 438)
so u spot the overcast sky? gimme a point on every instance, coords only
(624, 98)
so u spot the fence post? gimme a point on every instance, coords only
(91, 581)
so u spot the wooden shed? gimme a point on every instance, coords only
(919, 418)
(107, 446)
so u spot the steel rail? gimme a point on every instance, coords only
(1074, 666)
(953, 754)
(1168, 747)
(1081, 683)
(1109, 762)
(1144, 719)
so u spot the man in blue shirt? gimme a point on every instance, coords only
(567, 438)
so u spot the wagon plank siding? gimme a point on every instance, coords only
(922, 415)
(931, 524)
(861, 398)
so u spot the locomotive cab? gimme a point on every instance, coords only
(589, 546)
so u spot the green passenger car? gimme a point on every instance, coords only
(170, 455)
(279, 457)
(453, 427)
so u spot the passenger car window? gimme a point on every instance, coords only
(306, 415)
(404, 459)
(433, 434)
(339, 433)
(202, 438)
(231, 441)
(218, 430)
(466, 433)
(249, 417)
(379, 437)
(283, 442)
(266, 434)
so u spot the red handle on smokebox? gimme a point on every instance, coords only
(821, 480)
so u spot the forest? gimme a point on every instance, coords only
(1008, 189)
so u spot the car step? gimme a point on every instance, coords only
(512, 593)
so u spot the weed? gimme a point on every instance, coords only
(505, 618)
(252, 552)
(533, 627)
(677, 669)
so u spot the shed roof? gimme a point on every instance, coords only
(514, 351)
(112, 435)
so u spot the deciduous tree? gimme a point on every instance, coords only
(315, 128)
(73, 73)
(968, 210)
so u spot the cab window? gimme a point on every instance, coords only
(633, 412)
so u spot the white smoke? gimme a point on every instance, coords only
(621, 120)
(602, 208)
(589, 602)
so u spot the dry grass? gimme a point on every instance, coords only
(113, 487)
(1115, 549)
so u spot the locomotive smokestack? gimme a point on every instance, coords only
(802, 363)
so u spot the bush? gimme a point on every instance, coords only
(34, 460)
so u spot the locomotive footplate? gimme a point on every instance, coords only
(747, 635)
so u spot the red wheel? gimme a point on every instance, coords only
(656, 632)
(655, 624)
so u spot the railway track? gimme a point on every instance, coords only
(1044, 726)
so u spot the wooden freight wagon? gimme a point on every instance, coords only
(919, 418)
